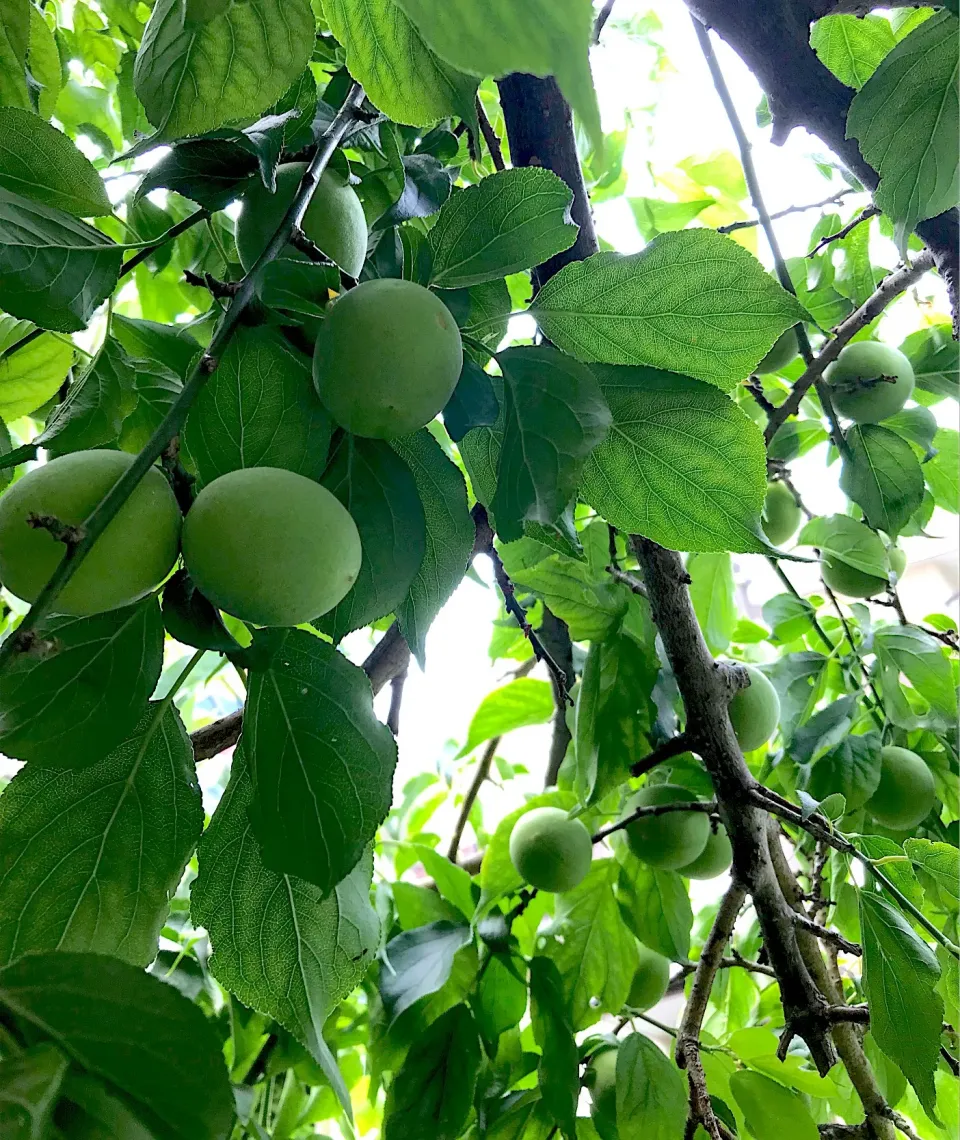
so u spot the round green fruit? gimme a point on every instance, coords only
(387, 359)
(897, 557)
(906, 791)
(713, 860)
(784, 350)
(650, 981)
(845, 579)
(781, 513)
(549, 850)
(600, 1080)
(670, 840)
(270, 547)
(869, 381)
(755, 711)
(132, 556)
(334, 220)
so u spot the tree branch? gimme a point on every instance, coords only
(864, 216)
(481, 774)
(833, 200)
(665, 751)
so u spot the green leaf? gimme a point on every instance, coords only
(515, 705)
(34, 373)
(30, 1084)
(507, 221)
(852, 46)
(139, 1034)
(882, 475)
(156, 388)
(193, 620)
(259, 409)
(433, 1092)
(900, 972)
(935, 358)
(450, 536)
(770, 1109)
(400, 74)
(282, 945)
(43, 60)
(97, 1113)
(211, 172)
(419, 963)
(148, 340)
(824, 729)
(54, 269)
(380, 492)
(654, 216)
(923, 660)
(851, 769)
(40, 162)
(692, 301)
(97, 403)
(482, 311)
(592, 606)
(917, 425)
(473, 404)
(941, 861)
(321, 762)
(586, 723)
(651, 1098)
(593, 950)
(711, 591)
(14, 41)
(798, 679)
(847, 540)
(452, 882)
(904, 122)
(682, 464)
(501, 999)
(657, 908)
(942, 473)
(554, 416)
(499, 37)
(558, 1069)
(71, 699)
(192, 78)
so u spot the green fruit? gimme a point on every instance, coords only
(784, 350)
(670, 840)
(387, 359)
(270, 547)
(905, 793)
(755, 711)
(869, 381)
(650, 981)
(713, 860)
(781, 513)
(897, 557)
(334, 219)
(132, 556)
(549, 850)
(845, 579)
(601, 1082)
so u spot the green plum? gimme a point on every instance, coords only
(845, 579)
(783, 351)
(549, 850)
(897, 557)
(869, 381)
(600, 1080)
(670, 840)
(713, 860)
(781, 513)
(650, 980)
(755, 711)
(906, 791)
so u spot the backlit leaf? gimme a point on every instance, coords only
(851, 46)
(651, 1098)
(520, 703)
(882, 475)
(657, 908)
(34, 373)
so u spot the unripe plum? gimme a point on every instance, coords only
(334, 219)
(755, 711)
(869, 381)
(132, 556)
(781, 513)
(906, 790)
(670, 840)
(270, 546)
(601, 1082)
(845, 579)
(650, 980)
(549, 850)
(783, 351)
(897, 557)
(713, 860)
(387, 359)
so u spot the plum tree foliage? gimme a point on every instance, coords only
(305, 325)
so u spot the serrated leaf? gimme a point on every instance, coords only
(450, 534)
(656, 906)
(935, 358)
(210, 172)
(72, 697)
(259, 409)
(651, 1098)
(380, 492)
(131, 1029)
(770, 1109)
(90, 858)
(592, 606)
(156, 388)
(851, 46)
(508, 221)
(30, 1085)
(321, 762)
(851, 769)
(682, 464)
(899, 974)
(882, 475)
(848, 541)
(558, 1071)
(941, 861)
(419, 963)
(150, 340)
(34, 373)
(97, 403)
(923, 660)
(711, 591)
(193, 78)
(693, 301)
(14, 42)
(904, 118)
(522, 702)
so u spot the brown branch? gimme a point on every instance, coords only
(865, 215)
(708, 806)
(827, 935)
(215, 738)
(732, 227)
(490, 137)
(217, 288)
(481, 774)
(665, 751)
(625, 578)
(600, 22)
(555, 638)
(396, 700)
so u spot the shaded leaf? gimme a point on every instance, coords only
(923, 660)
(558, 1069)
(824, 729)
(14, 42)
(97, 403)
(210, 172)
(656, 906)
(418, 963)
(30, 1084)
(473, 404)
(847, 540)
(501, 999)
(851, 769)
(935, 358)
(192, 619)
(149, 340)
(770, 1109)
(651, 1098)
(882, 475)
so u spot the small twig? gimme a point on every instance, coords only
(396, 700)
(670, 748)
(490, 137)
(817, 901)
(818, 628)
(625, 578)
(731, 227)
(300, 241)
(755, 388)
(602, 16)
(217, 288)
(481, 774)
(864, 216)
(855, 650)
(897, 605)
(857, 1014)
(949, 637)
(170, 235)
(952, 1061)
(63, 532)
(708, 806)
(827, 935)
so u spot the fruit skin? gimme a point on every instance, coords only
(601, 1081)
(670, 840)
(845, 579)
(387, 359)
(897, 557)
(906, 791)
(650, 981)
(858, 393)
(755, 711)
(334, 219)
(713, 860)
(783, 351)
(781, 513)
(270, 547)
(132, 556)
(549, 850)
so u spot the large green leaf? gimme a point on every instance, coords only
(399, 73)
(30, 1084)
(651, 1098)
(14, 41)
(508, 221)
(90, 858)
(193, 77)
(133, 1030)
(900, 972)
(771, 1109)
(73, 699)
(852, 46)
(520, 703)
(591, 605)
(54, 269)
(259, 409)
(322, 764)
(156, 388)
(935, 358)
(420, 962)
(148, 340)
(941, 861)
(851, 769)
(882, 475)
(657, 907)
(558, 1069)
(847, 540)
(97, 403)
(921, 658)
(693, 301)
(942, 473)
(904, 120)
(711, 591)
(40, 162)
(34, 373)
(450, 534)
(682, 464)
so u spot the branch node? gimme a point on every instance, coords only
(63, 532)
